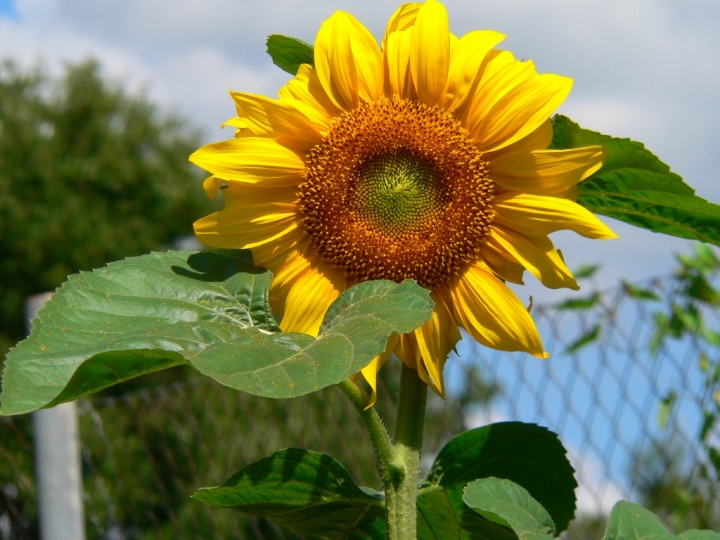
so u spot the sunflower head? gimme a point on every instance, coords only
(421, 157)
(396, 190)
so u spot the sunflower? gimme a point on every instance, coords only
(425, 157)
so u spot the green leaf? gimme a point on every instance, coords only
(630, 521)
(580, 303)
(307, 492)
(586, 271)
(355, 330)
(699, 535)
(714, 455)
(437, 518)
(526, 454)
(704, 260)
(442, 515)
(634, 186)
(637, 292)
(666, 407)
(585, 339)
(149, 313)
(289, 53)
(506, 503)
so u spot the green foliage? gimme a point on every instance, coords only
(685, 317)
(630, 521)
(526, 454)
(586, 271)
(311, 493)
(508, 504)
(307, 492)
(157, 311)
(289, 53)
(636, 292)
(88, 174)
(634, 186)
(586, 338)
(580, 303)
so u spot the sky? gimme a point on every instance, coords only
(644, 69)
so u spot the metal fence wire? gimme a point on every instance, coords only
(631, 407)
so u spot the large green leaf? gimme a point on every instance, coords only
(437, 518)
(149, 313)
(506, 503)
(526, 454)
(636, 187)
(355, 330)
(289, 53)
(629, 521)
(307, 492)
(442, 514)
(699, 535)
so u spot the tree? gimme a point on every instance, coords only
(89, 173)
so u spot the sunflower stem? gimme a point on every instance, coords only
(388, 467)
(401, 494)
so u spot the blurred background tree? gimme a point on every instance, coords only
(89, 173)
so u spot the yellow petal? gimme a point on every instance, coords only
(256, 202)
(276, 119)
(403, 18)
(430, 53)
(521, 111)
(493, 315)
(501, 75)
(306, 93)
(435, 339)
(408, 352)
(252, 217)
(539, 139)
(538, 255)
(235, 122)
(539, 215)
(309, 299)
(271, 253)
(502, 264)
(348, 61)
(546, 171)
(211, 186)
(466, 60)
(397, 64)
(370, 371)
(287, 267)
(227, 230)
(254, 160)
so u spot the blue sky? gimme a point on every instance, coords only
(7, 9)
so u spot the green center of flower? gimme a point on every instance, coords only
(397, 192)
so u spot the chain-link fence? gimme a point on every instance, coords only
(629, 394)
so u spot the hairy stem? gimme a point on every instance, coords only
(387, 465)
(401, 495)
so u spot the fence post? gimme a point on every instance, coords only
(57, 462)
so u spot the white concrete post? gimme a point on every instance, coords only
(57, 462)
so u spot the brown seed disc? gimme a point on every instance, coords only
(397, 190)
